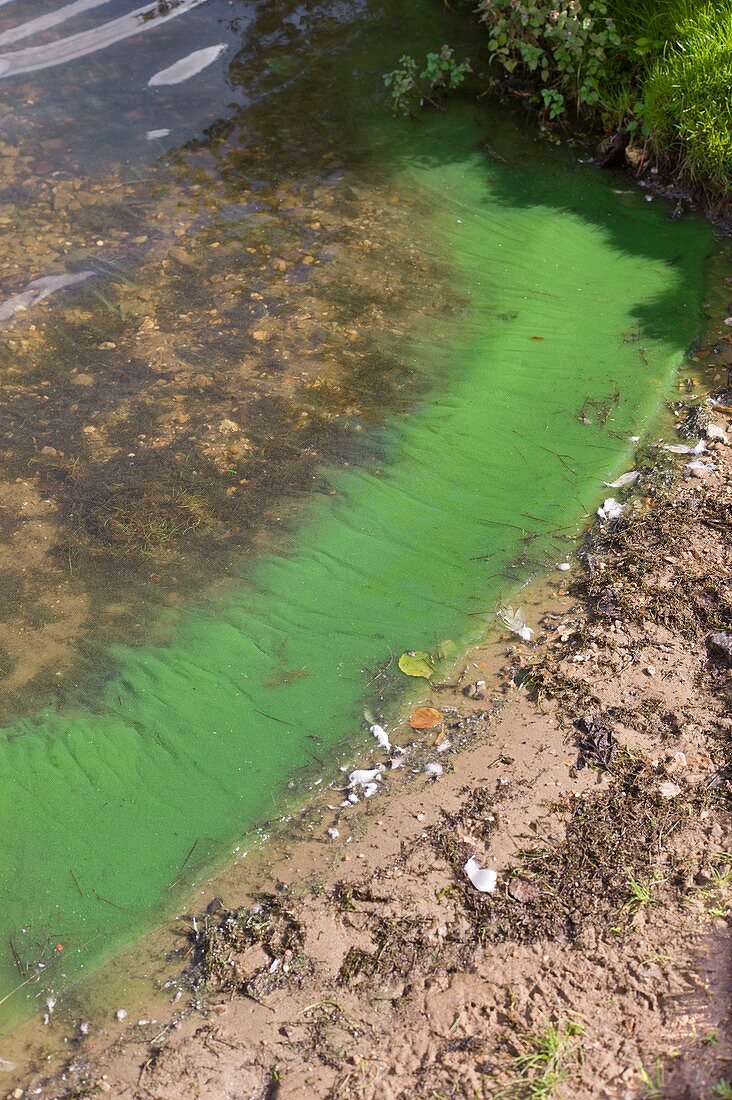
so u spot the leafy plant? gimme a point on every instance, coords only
(563, 46)
(441, 74)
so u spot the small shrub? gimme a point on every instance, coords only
(562, 46)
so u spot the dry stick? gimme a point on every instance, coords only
(548, 450)
(180, 869)
(16, 958)
(114, 904)
(31, 978)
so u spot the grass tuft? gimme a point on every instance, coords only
(548, 1057)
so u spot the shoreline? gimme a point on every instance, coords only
(342, 981)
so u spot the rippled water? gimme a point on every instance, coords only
(330, 387)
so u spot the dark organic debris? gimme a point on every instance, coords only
(557, 890)
(221, 941)
(597, 744)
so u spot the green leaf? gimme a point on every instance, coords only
(417, 663)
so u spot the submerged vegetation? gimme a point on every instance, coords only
(655, 77)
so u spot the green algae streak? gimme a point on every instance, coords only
(578, 305)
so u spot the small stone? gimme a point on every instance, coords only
(219, 1010)
(650, 670)
(121, 1014)
(678, 762)
(522, 891)
(720, 644)
(182, 257)
(259, 334)
(669, 790)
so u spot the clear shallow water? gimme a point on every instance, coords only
(570, 307)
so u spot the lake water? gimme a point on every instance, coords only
(289, 387)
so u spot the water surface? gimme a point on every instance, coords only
(341, 388)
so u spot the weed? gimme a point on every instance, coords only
(687, 108)
(587, 878)
(441, 75)
(548, 1056)
(717, 893)
(723, 1090)
(562, 45)
(641, 894)
(220, 943)
(652, 1081)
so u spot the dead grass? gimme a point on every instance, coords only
(220, 943)
(617, 843)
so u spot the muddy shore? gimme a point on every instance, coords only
(592, 771)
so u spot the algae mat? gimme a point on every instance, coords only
(578, 304)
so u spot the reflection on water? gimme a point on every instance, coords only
(340, 379)
(63, 50)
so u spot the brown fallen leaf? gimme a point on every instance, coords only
(424, 718)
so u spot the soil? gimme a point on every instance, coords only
(592, 771)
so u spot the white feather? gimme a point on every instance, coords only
(514, 620)
(624, 479)
(382, 737)
(610, 509)
(483, 879)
